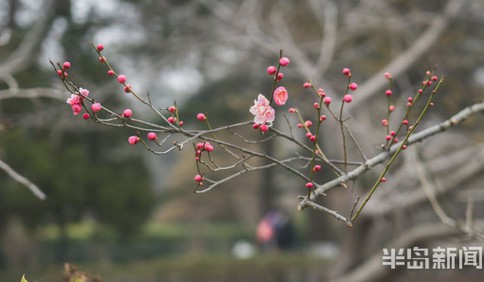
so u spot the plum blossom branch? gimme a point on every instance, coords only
(236, 159)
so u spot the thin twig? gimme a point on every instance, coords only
(22, 180)
(383, 156)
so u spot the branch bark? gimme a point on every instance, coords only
(20, 59)
(22, 180)
(380, 158)
(31, 93)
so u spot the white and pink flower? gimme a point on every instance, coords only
(76, 100)
(83, 92)
(262, 111)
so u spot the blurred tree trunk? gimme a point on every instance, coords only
(12, 10)
(267, 191)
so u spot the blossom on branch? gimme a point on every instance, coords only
(76, 99)
(262, 110)
(280, 95)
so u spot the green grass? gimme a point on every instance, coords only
(86, 230)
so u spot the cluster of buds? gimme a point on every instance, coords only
(62, 72)
(173, 118)
(264, 113)
(391, 136)
(200, 148)
(312, 132)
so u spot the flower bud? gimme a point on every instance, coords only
(152, 136)
(128, 113)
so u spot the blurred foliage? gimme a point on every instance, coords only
(271, 267)
(115, 192)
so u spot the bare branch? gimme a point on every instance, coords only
(20, 59)
(32, 93)
(320, 208)
(429, 190)
(408, 58)
(22, 180)
(380, 158)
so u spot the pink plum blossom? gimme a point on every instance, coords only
(133, 139)
(264, 128)
(96, 107)
(128, 113)
(321, 92)
(208, 147)
(74, 99)
(271, 70)
(152, 136)
(280, 95)
(76, 109)
(171, 119)
(353, 86)
(198, 178)
(348, 98)
(346, 72)
(284, 61)
(83, 92)
(121, 78)
(262, 111)
(201, 117)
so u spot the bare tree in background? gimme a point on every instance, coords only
(22, 57)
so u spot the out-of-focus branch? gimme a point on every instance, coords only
(22, 180)
(427, 187)
(406, 59)
(430, 192)
(20, 59)
(31, 93)
(329, 27)
(464, 169)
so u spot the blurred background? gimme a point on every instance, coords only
(123, 214)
